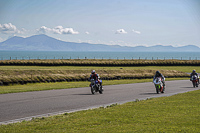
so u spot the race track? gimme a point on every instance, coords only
(24, 106)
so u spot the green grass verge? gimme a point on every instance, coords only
(66, 85)
(178, 68)
(178, 113)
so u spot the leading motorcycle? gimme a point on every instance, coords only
(159, 85)
(194, 80)
(96, 86)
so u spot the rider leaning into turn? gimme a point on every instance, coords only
(194, 73)
(158, 74)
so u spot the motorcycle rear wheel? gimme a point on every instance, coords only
(100, 90)
(194, 84)
(163, 89)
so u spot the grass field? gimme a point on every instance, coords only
(178, 113)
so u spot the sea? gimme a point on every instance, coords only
(27, 55)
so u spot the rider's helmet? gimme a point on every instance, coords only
(193, 71)
(93, 72)
(157, 73)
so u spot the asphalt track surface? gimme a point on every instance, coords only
(25, 106)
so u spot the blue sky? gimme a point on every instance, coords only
(112, 22)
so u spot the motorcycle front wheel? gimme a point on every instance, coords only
(92, 90)
(157, 89)
(194, 84)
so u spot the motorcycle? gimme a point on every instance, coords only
(96, 86)
(159, 85)
(194, 80)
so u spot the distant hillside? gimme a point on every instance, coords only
(45, 43)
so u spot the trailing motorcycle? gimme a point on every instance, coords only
(159, 85)
(194, 80)
(96, 86)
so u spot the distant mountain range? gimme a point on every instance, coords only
(45, 43)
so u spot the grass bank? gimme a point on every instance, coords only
(100, 62)
(178, 113)
(35, 74)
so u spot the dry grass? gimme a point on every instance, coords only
(100, 62)
(15, 74)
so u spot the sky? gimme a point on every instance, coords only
(112, 22)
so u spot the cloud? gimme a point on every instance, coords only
(137, 32)
(121, 31)
(87, 32)
(57, 30)
(44, 29)
(10, 29)
(69, 31)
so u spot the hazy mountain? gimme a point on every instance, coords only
(45, 43)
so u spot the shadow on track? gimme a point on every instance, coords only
(82, 94)
(148, 93)
(186, 87)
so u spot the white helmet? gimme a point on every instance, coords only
(93, 72)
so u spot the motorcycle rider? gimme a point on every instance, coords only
(194, 73)
(95, 76)
(158, 74)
